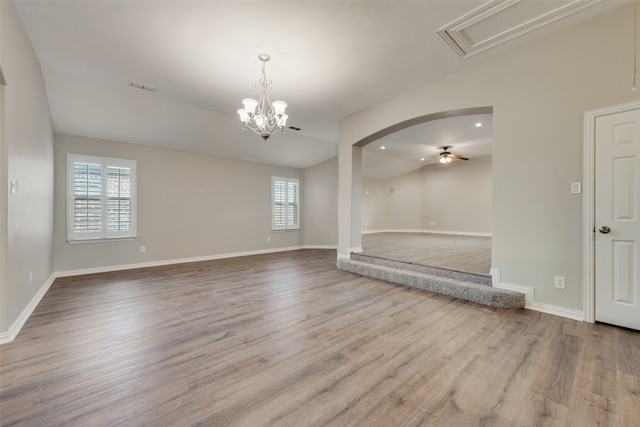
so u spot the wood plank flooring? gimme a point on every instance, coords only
(470, 254)
(288, 340)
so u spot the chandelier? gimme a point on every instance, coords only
(263, 116)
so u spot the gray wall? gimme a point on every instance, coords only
(189, 206)
(374, 204)
(457, 198)
(227, 202)
(404, 207)
(539, 93)
(27, 136)
(320, 204)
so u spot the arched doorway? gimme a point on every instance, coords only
(417, 210)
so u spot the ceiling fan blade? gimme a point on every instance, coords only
(455, 156)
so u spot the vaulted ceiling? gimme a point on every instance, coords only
(329, 59)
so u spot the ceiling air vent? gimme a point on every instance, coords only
(142, 86)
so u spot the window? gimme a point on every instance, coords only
(285, 203)
(101, 198)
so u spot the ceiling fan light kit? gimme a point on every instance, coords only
(446, 157)
(263, 116)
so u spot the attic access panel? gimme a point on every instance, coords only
(500, 21)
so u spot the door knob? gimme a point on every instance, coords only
(604, 229)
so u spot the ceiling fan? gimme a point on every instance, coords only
(446, 156)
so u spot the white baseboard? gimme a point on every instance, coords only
(334, 247)
(17, 325)
(531, 303)
(459, 233)
(107, 269)
(569, 313)
(404, 230)
(392, 230)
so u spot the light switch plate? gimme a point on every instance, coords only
(576, 188)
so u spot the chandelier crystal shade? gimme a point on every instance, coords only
(263, 116)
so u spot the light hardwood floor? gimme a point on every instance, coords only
(470, 254)
(288, 340)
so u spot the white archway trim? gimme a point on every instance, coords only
(470, 111)
(346, 203)
(588, 252)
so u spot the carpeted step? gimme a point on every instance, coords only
(435, 271)
(469, 291)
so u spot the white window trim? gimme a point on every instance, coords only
(104, 234)
(293, 226)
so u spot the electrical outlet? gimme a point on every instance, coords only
(30, 277)
(560, 282)
(268, 239)
(143, 249)
(432, 223)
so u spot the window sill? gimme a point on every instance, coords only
(102, 240)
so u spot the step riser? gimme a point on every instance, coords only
(435, 271)
(474, 292)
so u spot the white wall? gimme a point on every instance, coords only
(189, 206)
(539, 93)
(28, 138)
(320, 204)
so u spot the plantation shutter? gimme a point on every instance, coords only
(293, 219)
(101, 194)
(119, 198)
(285, 213)
(87, 198)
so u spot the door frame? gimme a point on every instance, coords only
(589, 163)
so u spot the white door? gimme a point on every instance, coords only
(617, 226)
